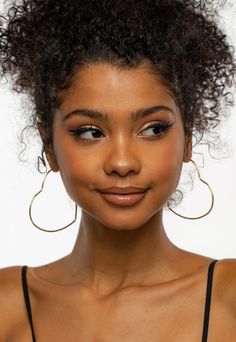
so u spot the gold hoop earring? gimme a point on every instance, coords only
(30, 210)
(212, 198)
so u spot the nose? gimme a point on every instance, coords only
(122, 158)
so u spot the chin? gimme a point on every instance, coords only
(124, 222)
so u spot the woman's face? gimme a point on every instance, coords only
(136, 140)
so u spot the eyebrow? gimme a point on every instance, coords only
(136, 115)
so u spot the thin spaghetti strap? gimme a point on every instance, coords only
(208, 300)
(27, 300)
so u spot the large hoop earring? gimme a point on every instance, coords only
(30, 210)
(212, 198)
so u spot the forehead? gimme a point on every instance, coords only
(105, 87)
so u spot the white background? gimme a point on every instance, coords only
(21, 243)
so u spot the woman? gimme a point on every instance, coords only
(119, 88)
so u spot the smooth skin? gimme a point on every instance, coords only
(124, 279)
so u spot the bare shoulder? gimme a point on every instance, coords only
(10, 281)
(11, 301)
(226, 283)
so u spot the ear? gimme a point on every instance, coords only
(47, 147)
(188, 148)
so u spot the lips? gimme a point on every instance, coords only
(123, 196)
(122, 191)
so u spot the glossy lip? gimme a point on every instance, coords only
(122, 191)
(124, 199)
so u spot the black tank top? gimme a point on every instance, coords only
(207, 300)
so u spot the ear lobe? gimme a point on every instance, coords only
(188, 148)
(48, 148)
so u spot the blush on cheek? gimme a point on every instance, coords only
(170, 173)
(78, 182)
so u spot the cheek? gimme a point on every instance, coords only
(170, 174)
(165, 168)
(78, 168)
(171, 162)
(78, 175)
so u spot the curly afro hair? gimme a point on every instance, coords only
(43, 43)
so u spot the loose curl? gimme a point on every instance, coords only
(43, 43)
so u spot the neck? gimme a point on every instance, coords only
(104, 257)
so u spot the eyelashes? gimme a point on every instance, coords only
(91, 133)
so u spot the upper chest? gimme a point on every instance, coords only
(156, 314)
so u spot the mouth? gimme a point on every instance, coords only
(125, 199)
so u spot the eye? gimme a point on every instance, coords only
(87, 133)
(91, 133)
(156, 129)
